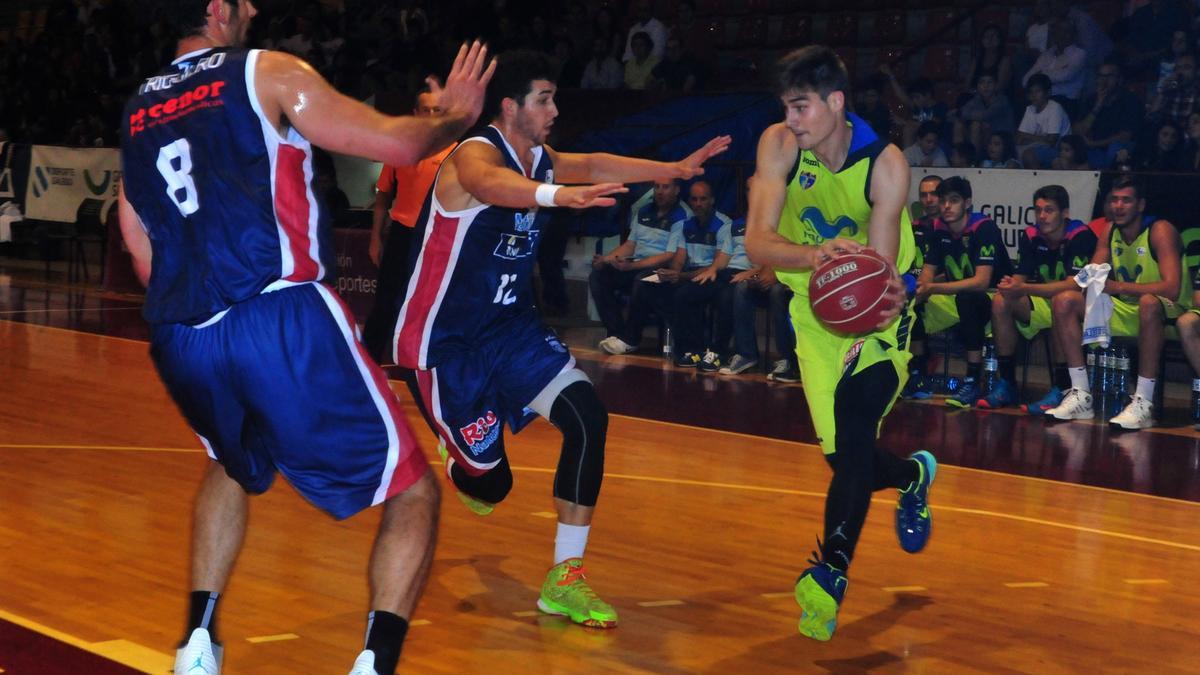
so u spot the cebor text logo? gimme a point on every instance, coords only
(203, 96)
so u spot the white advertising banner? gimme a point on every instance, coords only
(61, 178)
(1006, 195)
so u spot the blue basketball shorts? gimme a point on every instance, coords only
(470, 396)
(282, 382)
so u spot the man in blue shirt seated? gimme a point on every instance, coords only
(698, 274)
(651, 226)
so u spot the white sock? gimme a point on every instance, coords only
(1079, 378)
(569, 541)
(1145, 388)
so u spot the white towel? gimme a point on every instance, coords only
(1099, 307)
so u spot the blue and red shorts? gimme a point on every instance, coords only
(281, 382)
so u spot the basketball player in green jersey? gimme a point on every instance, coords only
(825, 185)
(1150, 289)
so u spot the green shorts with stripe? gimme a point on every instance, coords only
(826, 357)
(940, 313)
(1041, 317)
(1125, 321)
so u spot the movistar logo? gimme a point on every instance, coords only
(100, 188)
(1059, 272)
(959, 268)
(813, 217)
(1126, 276)
(1079, 262)
(988, 251)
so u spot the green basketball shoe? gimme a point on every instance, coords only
(566, 593)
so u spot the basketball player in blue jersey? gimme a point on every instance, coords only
(218, 211)
(469, 327)
(825, 184)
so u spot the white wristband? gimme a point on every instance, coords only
(545, 194)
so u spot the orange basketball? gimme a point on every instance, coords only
(848, 293)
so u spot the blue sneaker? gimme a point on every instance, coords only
(917, 388)
(819, 592)
(1002, 395)
(1052, 399)
(965, 396)
(914, 523)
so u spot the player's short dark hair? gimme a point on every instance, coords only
(1055, 193)
(954, 185)
(813, 68)
(932, 176)
(515, 72)
(929, 127)
(1039, 80)
(642, 36)
(185, 17)
(1128, 180)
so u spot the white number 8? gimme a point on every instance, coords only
(181, 178)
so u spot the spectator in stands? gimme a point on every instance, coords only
(604, 71)
(1149, 287)
(1063, 62)
(1072, 155)
(698, 271)
(919, 101)
(1001, 152)
(570, 68)
(922, 222)
(604, 27)
(678, 73)
(1165, 153)
(927, 151)
(692, 34)
(638, 69)
(1037, 35)
(1089, 34)
(963, 155)
(869, 105)
(1050, 254)
(1191, 146)
(1112, 118)
(1145, 37)
(643, 12)
(1180, 95)
(653, 229)
(1044, 123)
(968, 250)
(986, 112)
(990, 57)
(1181, 43)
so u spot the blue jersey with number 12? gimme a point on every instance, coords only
(226, 199)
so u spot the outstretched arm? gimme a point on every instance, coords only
(291, 92)
(475, 174)
(601, 167)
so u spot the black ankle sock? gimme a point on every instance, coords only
(385, 637)
(1008, 371)
(202, 613)
(973, 370)
(1062, 378)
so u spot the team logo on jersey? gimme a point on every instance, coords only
(549, 176)
(523, 222)
(556, 344)
(813, 217)
(514, 245)
(807, 179)
(1141, 251)
(482, 433)
(203, 96)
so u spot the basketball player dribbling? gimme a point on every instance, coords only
(468, 326)
(824, 185)
(260, 355)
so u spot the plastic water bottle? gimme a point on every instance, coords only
(1100, 401)
(991, 366)
(1196, 402)
(1120, 381)
(667, 342)
(1093, 371)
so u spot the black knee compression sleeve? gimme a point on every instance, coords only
(583, 421)
(492, 486)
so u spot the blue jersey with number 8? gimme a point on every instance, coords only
(226, 199)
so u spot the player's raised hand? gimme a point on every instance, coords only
(692, 165)
(467, 83)
(586, 196)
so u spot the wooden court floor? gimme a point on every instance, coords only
(698, 538)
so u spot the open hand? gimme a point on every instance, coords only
(467, 82)
(587, 196)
